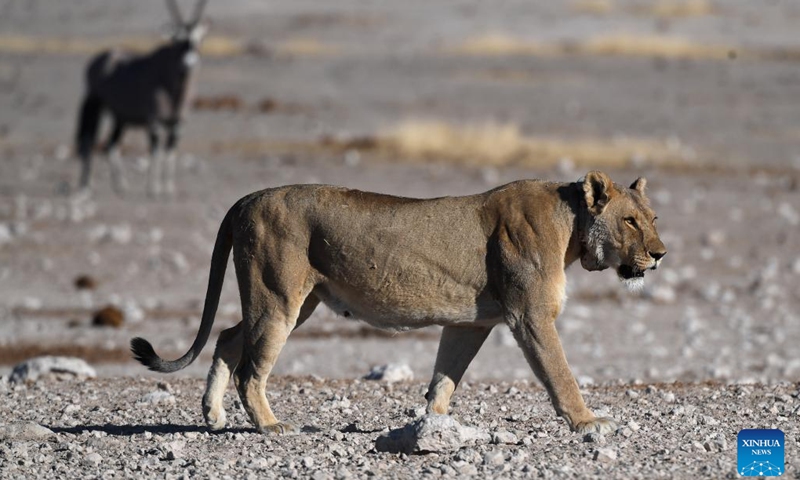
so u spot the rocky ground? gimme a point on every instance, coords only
(419, 99)
(125, 428)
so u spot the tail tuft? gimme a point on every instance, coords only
(144, 353)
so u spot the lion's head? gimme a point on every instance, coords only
(619, 229)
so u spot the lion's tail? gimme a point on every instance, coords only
(143, 350)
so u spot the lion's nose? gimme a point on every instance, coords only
(657, 255)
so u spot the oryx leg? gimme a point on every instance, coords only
(169, 160)
(533, 326)
(156, 163)
(226, 358)
(114, 157)
(457, 347)
(85, 182)
(91, 112)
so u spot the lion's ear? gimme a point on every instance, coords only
(597, 190)
(639, 185)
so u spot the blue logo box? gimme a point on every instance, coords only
(760, 453)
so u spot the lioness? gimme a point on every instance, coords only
(465, 263)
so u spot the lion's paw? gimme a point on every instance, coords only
(216, 421)
(280, 428)
(601, 425)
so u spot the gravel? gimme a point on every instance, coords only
(113, 434)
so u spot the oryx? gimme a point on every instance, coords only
(152, 91)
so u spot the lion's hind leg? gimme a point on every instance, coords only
(226, 357)
(272, 300)
(262, 345)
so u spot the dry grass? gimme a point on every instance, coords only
(214, 46)
(499, 44)
(617, 44)
(675, 9)
(504, 144)
(592, 7)
(662, 9)
(488, 143)
(633, 45)
(305, 47)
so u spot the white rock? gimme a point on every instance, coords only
(156, 235)
(24, 431)
(158, 397)
(661, 294)
(494, 458)
(30, 370)
(62, 152)
(594, 437)
(5, 234)
(93, 459)
(714, 238)
(133, 313)
(430, 433)
(97, 232)
(717, 443)
(789, 214)
(504, 437)
(121, 233)
(391, 373)
(606, 455)
(32, 303)
(179, 262)
(174, 449)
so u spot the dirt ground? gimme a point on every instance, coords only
(425, 99)
(107, 429)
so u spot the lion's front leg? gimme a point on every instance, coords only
(536, 334)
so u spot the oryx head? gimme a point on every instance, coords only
(188, 34)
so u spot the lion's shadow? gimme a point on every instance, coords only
(163, 429)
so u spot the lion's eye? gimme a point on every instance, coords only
(631, 221)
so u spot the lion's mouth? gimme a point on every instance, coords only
(627, 272)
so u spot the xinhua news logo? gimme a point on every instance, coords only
(760, 453)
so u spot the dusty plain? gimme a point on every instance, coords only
(417, 99)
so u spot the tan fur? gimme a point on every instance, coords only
(466, 263)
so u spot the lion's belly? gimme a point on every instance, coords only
(405, 312)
